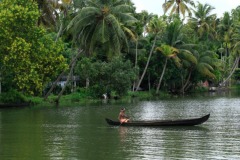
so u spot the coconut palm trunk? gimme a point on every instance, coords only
(59, 31)
(68, 79)
(161, 77)
(187, 81)
(87, 82)
(235, 65)
(178, 7)
(136, 58)
(0, 83)
(146, 67)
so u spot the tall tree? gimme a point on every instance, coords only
(175, 38)
(48, 13)
(155, 27)
(178, 6)
(229, 26)
(139, 29)
(101, 23)
(53, 14)
(207, 63)
(29, 55)
(234, 54)
(168, 52)
(204, 21)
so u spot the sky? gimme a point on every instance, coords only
(155, 6)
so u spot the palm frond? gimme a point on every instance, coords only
(187, 55)
(130, 33)
(126, 18)
(205, 69)
(174, 9)
(124, 8)
(182, 8)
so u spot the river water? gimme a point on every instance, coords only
(79, 132)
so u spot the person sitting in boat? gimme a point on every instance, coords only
(122, 117)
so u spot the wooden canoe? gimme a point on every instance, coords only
(177, 122)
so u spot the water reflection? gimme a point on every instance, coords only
(60, 133)
(199, 142)
(165, 142)
(122, 133)
(81, 133)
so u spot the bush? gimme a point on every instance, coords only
(13, 96)
(97, 91)
(114, 77)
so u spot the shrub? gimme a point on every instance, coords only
(13, 96)
(114, 77)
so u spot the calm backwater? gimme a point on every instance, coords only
(79, 132)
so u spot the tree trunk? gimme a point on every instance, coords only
(235, 65)
(74, 84)
(68, 78)
(0, 86)
(87, 82)
(146, 67)
(61, 20)
(54, 85)
(136, 59)
(0, 83)
(60, 76)
(186, 83)
(60, 31)
(149, 83)
(178, 6)
(161, 77)
(188, 86)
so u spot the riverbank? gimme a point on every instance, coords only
(81, 98)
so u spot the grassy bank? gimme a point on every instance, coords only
(84, 98)
(78, 98)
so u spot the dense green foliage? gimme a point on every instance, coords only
(29, 56)
(114, 77)
(102, 22)
(12, 96)
(121, 50)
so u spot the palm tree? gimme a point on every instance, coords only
(52, 13)
(144, 17)
(168, 52)
(224, 34)
(155, 27)
(203, 20)
(229, 27)
(48, 12)
(235, 53)
(174, 38)
(102, 23)
(188, 61)
(236, 14)
(139, 29)
(225, 24)
(207, 62)
(178, 6)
